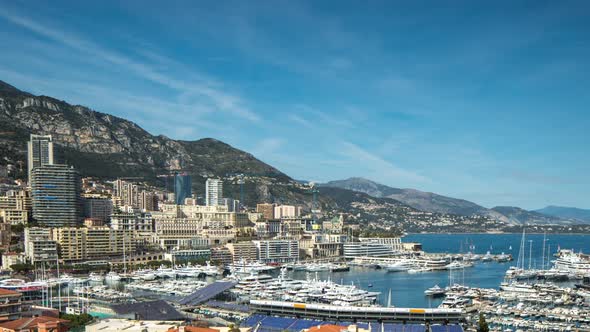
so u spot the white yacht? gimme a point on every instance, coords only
(400, 266)
(435, 291)
(516, 287)
(95, 277)
(112, 276)
(576, 263)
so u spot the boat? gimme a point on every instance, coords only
(435, 291)
(400, 266)
(576, 263)
(112, 276)
(487, 257)
(516, 287)
(95, 277)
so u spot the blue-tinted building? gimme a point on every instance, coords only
(182, 188)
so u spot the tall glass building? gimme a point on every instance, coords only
(182, 188)
(55, 191)
(39, 152)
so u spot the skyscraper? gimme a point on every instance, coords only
(182, 188)
(40, 152)
(214, 192)
(56, 195)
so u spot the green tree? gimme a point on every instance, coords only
(482, 325)
(25, 268)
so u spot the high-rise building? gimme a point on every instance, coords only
(214, 192)
(40, 152)
(182, 188)
(287, 211)
(99, 208)
(56, 195)
(267, 210)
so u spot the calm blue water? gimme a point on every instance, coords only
(407, 290)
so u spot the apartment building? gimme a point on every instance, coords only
(277, 251)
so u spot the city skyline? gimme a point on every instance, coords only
(322, 94)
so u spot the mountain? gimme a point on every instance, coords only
(107, 147)
(431, 202)
(522, 216)
(566, 212)
(424, 201)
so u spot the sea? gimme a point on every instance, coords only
(407, 290)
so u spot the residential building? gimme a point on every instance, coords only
(11, 305)
(277, 251)
(14, 217)
(15, 207)
(267, 210)
(5, 236)
(243, 251)
(318, 245)
(287, 211)
(98, 207)
(173, 232)
(39, 246)
(39, 152)
(12, 258)
(221, 255)
(148, 201)
(213, 192)
(182, 187)
(129, 218)
(56, 195)
(233, 205)
(77, 244)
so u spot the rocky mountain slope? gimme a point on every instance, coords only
(424, 201)
(431, 202)
(522, 216)
(107, 147)
(581, 215)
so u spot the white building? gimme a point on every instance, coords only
(39, 246)
(277, 251)
(287, 211)
(372, 249)
(214, 192)
(395, 243)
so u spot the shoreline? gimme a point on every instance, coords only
(492, 233)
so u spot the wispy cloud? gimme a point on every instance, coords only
(300, 120)
(267, 146)
(379, 167)
(201, 88)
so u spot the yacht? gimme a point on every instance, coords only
(572, 262)
(112, 276)
(516, 287)
(435, 291)
(400, 266)
(95, 277)
(487, 257)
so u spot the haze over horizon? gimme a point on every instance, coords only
(484, 103)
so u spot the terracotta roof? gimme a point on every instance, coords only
(8, 292)
(327, 328)
(26, 323)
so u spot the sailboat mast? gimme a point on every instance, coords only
(543, 259)
(530, 253)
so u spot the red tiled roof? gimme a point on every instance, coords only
(8, 292)
(26, 323)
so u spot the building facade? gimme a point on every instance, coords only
(56, 195)
(39, 152)
(213, 192)
(277, 251)
(182, 188)
(267, 210)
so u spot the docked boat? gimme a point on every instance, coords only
(516, 287)
(95, 277)
(575, 263)
(435, 291)
(112, 276)
(400, 266)
(487, 257)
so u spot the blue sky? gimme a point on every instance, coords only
(486, 101)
